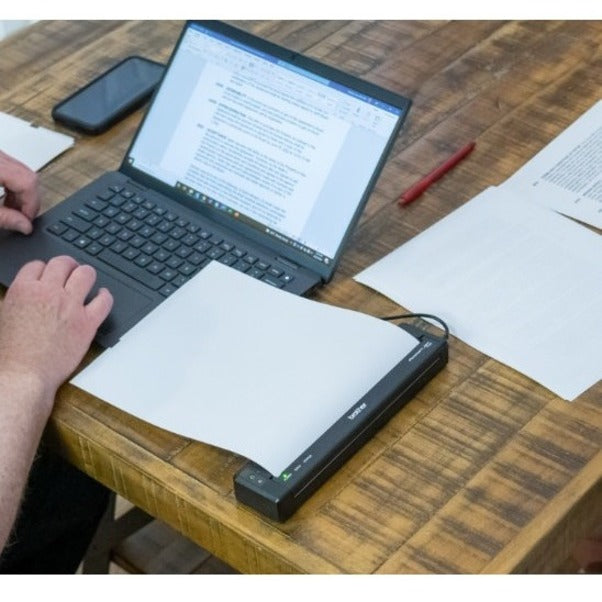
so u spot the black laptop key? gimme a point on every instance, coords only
(146, 231)
(77, 223)
(143, 260)
(195, 258)
(203, 246)
(94, 248)
(152, 220)
(97, 204)
(82, 242)
(86, 213)
(116, 202)
(94, 233)
(149, 248)
(155, 267)
(272, 281)
(177, 233)
(129, 207)
(215, 253)
(190, 240)
(168, 289)
(101, 221)
(111, 211)
(241, 266)
(125, 266)
(179, 280)
(131, 253)
(159, 238)
(187, 269)
(174, 262)
(228, 259)
(168, 274)
(162, 255)
(165, 226)
(70, 235)
(107, 195)
(137, 241)
(183, 252)
(119, 246)
(134, 225)
(57, 228)
(256, 273)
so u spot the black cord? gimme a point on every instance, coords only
(423, 316)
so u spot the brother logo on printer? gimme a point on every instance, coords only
(357, 411)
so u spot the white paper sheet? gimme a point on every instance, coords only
(567, 174)
(32, 145)
(515, 280)
(238, 364)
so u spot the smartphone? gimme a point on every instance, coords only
(98, 105)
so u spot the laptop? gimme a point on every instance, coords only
(249, 154)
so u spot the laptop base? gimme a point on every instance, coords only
(279, 497)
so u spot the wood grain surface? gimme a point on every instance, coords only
(485, 470)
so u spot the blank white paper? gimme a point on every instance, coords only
(515, 280)
(233, 362)
(34, 146)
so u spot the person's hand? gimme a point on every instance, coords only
(22, 201)
(45, 325)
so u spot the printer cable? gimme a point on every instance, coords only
(422, 316)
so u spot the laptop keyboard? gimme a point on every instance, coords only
(154, 245)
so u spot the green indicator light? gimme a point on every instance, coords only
(285, 476)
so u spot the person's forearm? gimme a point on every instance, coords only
(25, 404)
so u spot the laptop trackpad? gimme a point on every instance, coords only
(129, 307)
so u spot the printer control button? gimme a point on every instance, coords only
(256, 477)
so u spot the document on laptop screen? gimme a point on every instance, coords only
(238, 129)
(234, 363)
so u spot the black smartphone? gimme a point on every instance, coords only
(111, 96)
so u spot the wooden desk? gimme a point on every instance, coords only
(485, 471)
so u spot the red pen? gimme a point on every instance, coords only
(417, 189)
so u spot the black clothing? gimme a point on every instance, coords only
(57, 520)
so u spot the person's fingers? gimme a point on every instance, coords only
(99, 308)
(58, 269)
(25, 199)
(31, 270)
(21, 185)
(12, 219)
(80, 282)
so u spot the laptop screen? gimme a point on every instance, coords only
(264, 141)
